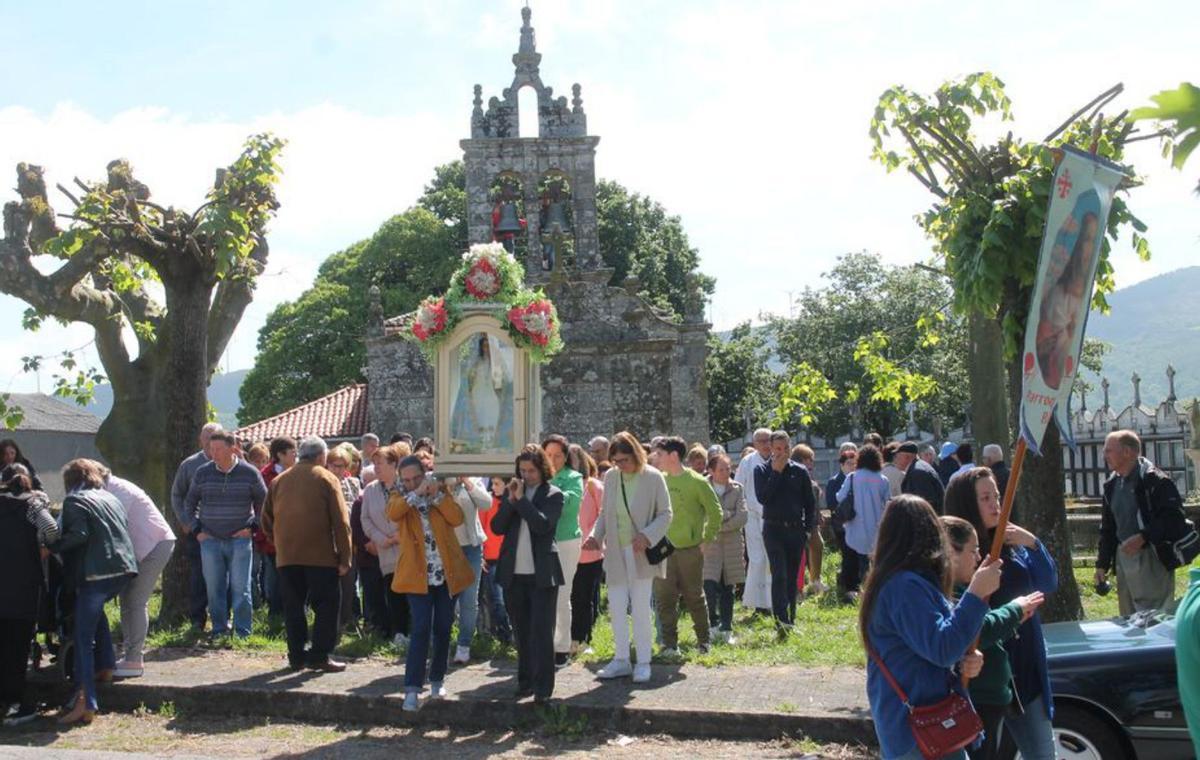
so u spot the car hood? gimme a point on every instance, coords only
(1064, 639)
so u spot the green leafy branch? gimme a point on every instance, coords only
(1177, 113)
(890, 382)
(802, 395)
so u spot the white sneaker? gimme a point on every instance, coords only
(400, 641)
(641, 673)
(588, 652)
(819, 588)
(127, 670)
(437, 690)
(730, 639)
(615, 669)
(462, 655)
(412, 702)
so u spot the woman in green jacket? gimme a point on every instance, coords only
(99, 560)
(991, 691)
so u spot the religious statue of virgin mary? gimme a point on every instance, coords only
(482, 415)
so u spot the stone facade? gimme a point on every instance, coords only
(625, 366)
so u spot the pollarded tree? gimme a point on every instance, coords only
(119, 249)
(986, 224)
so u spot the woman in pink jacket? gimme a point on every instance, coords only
(153, 542)
(585, 589)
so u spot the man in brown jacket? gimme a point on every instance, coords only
(305, 517)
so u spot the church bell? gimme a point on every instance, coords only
(508, 222)
(556, 217)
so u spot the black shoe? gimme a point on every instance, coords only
(18, 715)
(294, 665)
(523, 692)
(542, 699)
(561, 659)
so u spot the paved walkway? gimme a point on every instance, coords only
(684, 700)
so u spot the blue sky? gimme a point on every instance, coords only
(747, 119)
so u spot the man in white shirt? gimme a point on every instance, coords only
(757, 595)
(370, 444)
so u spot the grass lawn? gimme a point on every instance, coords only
(826, 632)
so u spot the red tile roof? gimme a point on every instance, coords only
(341, 414)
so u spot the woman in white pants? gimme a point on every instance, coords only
(153, 542)
(635, 517)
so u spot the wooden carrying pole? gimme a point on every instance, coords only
(1010, 495)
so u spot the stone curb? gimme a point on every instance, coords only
(477, 714)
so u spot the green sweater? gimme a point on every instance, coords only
(571, 484)
(1187, 653)
(695, 509)
(993, 685)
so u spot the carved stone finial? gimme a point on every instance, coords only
(528, 42)
(1104, 387)
(1171, 398)
(577, 100)
(478, 97)
(1137, 390)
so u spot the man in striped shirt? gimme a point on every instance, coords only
(221, 510)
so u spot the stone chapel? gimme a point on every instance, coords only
(625, 366)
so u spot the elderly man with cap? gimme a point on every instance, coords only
(948, 463)
(920, 479)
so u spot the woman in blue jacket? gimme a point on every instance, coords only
(909, 622)
(1028, 567)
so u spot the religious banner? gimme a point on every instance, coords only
(1080, 199)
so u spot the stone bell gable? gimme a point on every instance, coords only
(625, 365)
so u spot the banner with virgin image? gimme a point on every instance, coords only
(1080, 199)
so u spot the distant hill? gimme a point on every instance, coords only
(222, 394)
(1152, 324)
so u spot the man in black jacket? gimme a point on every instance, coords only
(1142, 508)
(920, 479)
(785, 491)
(528, 569)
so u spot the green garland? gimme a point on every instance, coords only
(490, 276)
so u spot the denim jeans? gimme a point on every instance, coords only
(227, 563)
(1032, 731)
(432, 615)
(93, 640)
(492, 598)
(720, 605)
(915, 754)
(197, 593)
(468, 600)
(271, 588)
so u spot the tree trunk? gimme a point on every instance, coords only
(987, 377)
(1043, 509)
(183, 383)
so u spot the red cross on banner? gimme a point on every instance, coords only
(1064, 184)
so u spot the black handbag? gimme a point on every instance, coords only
(660, 551)
(845, 508)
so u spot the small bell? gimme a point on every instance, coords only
(509, 222)
(556, 218)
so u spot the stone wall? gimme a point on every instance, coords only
(624, 368)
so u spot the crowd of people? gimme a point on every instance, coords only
(371, 537)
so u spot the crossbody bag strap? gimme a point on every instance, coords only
(888, 675)
(625, 499)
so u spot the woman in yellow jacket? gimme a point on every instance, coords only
(431, 571)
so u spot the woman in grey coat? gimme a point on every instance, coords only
(724, 557)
